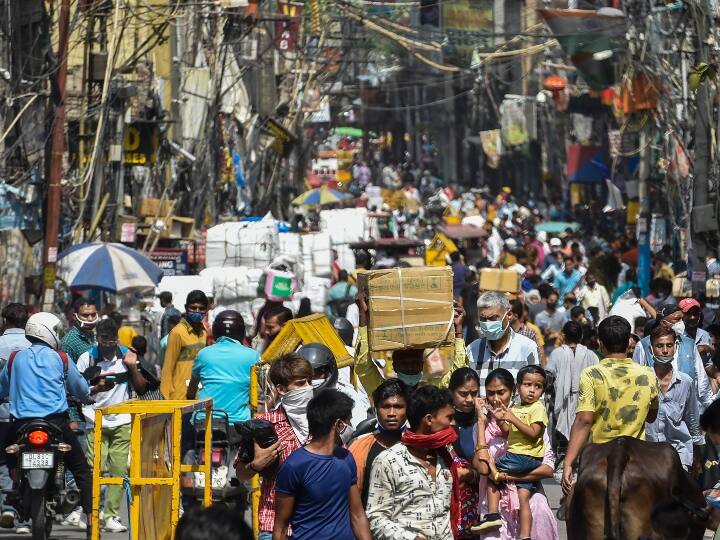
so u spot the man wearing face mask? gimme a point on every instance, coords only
(686, 358)
(120, 375)
(316, 487)
(499, 346)
(693, 317)
(81, 337)
(678, 419)
(291, 375)
(326, 375)
(184, 342)
(407, 363)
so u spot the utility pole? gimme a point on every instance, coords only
(643, 218)
(702, 217)
(52, 213)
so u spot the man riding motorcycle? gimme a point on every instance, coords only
(224, 370)
(36, 383)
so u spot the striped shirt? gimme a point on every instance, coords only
(518, 352)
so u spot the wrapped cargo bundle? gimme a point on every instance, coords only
(345, 225)
(243, 243)
(317, 254)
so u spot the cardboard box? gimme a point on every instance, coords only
(495, 279)
(150, 207)
(409, 307)
(176, 228)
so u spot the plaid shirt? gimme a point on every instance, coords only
(75, 343)
(288, 444)
(519, 352)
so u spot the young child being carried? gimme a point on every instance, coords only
(525, 425)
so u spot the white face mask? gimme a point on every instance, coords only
(679, 328)
(295, 405)
(346, 433)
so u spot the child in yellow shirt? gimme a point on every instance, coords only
(525, 425)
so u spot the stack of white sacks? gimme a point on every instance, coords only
(239, 252)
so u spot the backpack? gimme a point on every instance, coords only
(339, 306)
(63, 357)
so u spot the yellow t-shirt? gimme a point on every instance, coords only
(125, 335)
(518, 443)
(619, 393)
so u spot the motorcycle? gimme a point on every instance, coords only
(41, 491)
(225, 486)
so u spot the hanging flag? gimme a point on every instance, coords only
(287, 28)
(592, 39)
(237, 162)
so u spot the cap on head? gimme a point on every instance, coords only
(686, 304)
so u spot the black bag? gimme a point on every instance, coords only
(251, 431)
(340, 306)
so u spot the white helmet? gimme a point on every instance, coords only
(46, 327)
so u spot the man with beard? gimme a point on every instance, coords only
(273, 321)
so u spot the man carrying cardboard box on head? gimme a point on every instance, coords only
(408, 362)
(499, 346)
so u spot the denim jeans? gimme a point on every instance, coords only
(519, 464)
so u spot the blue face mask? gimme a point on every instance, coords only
(491, 330)
(195, 317)
(410, 379)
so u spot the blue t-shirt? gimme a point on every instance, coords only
(321, 487)
(224, 372)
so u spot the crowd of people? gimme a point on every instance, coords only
(389, 449)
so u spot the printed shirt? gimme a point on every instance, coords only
(370, 376)
(403, 500)
(518, 443)
(183, 346)
(518, 353)
(288, 444)
(678, 421)
(619, 393)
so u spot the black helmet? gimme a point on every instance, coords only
(345, 330)
(321, 359)
(229, 323)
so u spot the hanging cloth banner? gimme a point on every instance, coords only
(287, 29)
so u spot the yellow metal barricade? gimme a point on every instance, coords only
(155, 464)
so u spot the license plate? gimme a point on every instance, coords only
(38, 460)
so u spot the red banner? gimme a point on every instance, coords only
(287, 29)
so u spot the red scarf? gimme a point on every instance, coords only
(433, 441)
(463, 502)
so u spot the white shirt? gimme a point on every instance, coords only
(117, 394)
(628, 310)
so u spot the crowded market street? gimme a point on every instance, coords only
(359, 270)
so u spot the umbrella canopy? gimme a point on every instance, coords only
(556, 227)
(319, 197)
(109, 267)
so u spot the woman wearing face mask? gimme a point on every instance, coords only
(678, 419)
(491, 444)
(291, 375)
(391, 401)
(686, 357)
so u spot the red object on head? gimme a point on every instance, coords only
(554, 83)
(686, 304)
